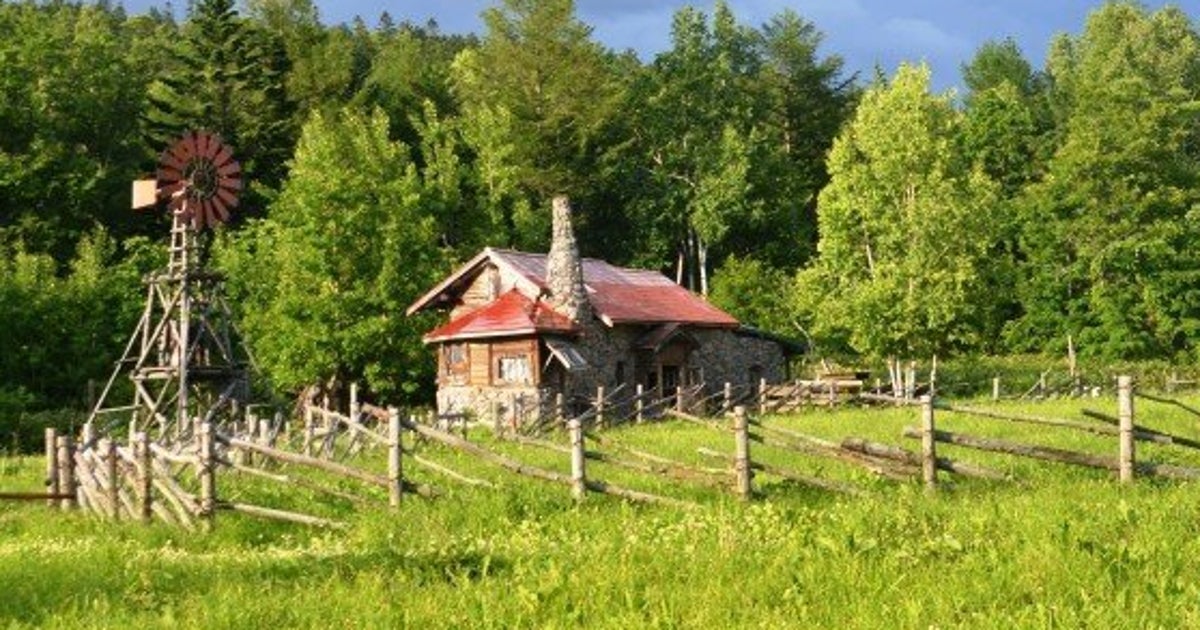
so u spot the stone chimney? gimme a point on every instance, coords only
(564, 269)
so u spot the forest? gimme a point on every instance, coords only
(867, 215)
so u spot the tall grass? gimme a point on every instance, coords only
(1056, 547)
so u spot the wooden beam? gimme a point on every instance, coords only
(896, 453)
(535, 472)
(280, 515)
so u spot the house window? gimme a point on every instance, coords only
(454, 362)
(456, 353)
(514, 369)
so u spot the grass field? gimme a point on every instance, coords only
(1055, 547)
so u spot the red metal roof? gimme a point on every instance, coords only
(618, 295)
(510, 314)
(628, 296)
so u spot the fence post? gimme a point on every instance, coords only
(640, 404)
(762, 396)
(1125, 415)
(395, 451)
(741, 454)
(141, 449)
(600, 406)
(680, 406)
(51, 465)
(832, 392)
(559, 407)
(239, 456)
(578, 462)
(66, 471)
(208, 475)
(112, 495)
(928, 445)
(264, 431)
(727, 394)
(995, 388)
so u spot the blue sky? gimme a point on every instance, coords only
(943, 33)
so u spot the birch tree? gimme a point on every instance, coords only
(905, 230)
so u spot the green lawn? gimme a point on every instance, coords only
(1055, 547)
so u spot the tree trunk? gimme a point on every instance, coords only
(692, 259)
(895, 373)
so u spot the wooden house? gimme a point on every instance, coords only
(524, 328)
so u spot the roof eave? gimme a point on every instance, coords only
(489, 334)
(493, 334)
(425, 300)
(656, 322)
(472, 266)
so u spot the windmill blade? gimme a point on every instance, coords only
(220, 212)
(224, 156)
(229, 170)
(213, 147)
(227, 198)
(169, 174)
(169, 190)
(168, 160)
(203, 143)
(185, 149)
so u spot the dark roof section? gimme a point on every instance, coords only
(618, 295)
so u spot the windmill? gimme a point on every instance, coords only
(183, 364)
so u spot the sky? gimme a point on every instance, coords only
(865, 33)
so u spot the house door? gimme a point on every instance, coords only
(670, 379)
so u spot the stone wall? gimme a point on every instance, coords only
(488, 404)
(729, 356)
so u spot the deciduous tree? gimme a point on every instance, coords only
(905, 230)
(325, 279)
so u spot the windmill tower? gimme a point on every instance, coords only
(183, 364)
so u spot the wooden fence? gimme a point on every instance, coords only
(138, 479)
(1122, 427)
